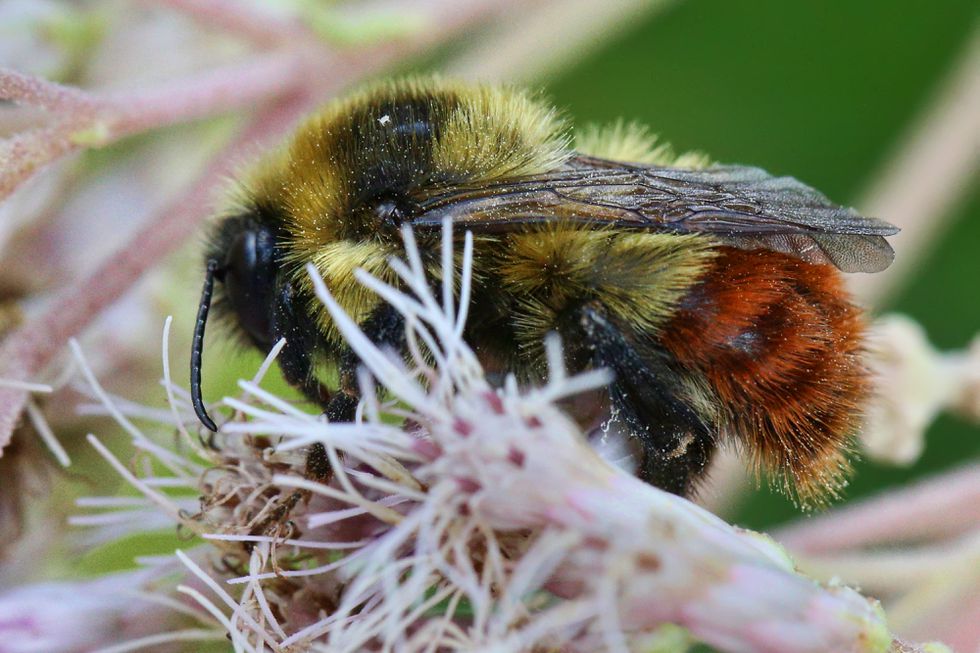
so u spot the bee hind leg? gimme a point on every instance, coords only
(674, 443)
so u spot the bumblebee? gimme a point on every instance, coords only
(712, 292)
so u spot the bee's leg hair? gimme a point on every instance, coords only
(675, 443)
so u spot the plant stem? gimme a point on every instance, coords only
(236, 17)
(90, 120)
(944, 505)
(28, 350)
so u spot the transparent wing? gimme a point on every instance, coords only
(742, 206)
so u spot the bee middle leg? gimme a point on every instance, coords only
(674, 442)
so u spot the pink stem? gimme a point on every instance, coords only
(32, 347)
(128, 113)
(25, 153)
(36, 92)
(239, 18)
(210, 93)
(943, 505)
(964, 633)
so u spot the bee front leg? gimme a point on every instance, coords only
(302, 341)
(296, 363)
(674, 442)
(385, 327)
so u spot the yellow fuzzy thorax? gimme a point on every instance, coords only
(634, 143)
(639, 276)
(336, 263)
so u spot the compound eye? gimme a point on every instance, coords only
(249, 277)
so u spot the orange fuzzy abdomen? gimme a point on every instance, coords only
(780, 346)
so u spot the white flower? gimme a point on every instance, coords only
(116, 612)
(913, 384)
(480, 520)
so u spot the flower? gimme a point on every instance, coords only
(914, 383)
(113, 613)
(480, 519)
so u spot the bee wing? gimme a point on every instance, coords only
(741, 206)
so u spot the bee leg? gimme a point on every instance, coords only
(675, 443)
(296, 363)
(384, 327)
(302, 340)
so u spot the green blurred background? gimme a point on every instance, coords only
(823, 91)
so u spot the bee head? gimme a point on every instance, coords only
(242, 258)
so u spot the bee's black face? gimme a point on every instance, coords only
(249, 275)
(243, 260)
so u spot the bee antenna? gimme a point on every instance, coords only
(197, 346)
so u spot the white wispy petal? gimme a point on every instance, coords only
(472, 501)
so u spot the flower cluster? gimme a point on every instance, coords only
(464, 516)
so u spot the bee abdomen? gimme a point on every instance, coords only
(780, 346)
